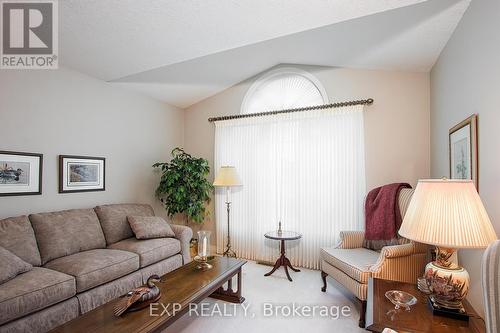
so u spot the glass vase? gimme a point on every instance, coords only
(203, 249)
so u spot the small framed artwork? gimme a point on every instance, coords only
(20, 173)
(81, 173)
(463, 150)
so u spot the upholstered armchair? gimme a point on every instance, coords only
(491, 286)
(352, 265)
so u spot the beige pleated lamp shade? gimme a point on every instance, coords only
(447, 213)
(227, 177)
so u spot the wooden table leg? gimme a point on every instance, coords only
(290, 265)
(323, 277)
(228, 294)
(362, 315)
(283, 261)
(276, 266)
(287, 274)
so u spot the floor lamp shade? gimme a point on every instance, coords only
(227, 177)
(450, 215)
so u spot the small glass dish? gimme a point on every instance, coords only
(401, 299)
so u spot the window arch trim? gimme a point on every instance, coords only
(280, 71)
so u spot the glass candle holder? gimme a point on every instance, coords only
(203, 249)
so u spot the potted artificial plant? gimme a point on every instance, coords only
(184, 187)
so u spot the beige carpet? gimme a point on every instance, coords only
(276, 290)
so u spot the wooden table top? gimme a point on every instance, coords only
(284, 235)
(183, 286)
(379, 312)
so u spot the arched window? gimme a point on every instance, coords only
(284, 88)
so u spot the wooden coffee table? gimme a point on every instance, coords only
(380, 312)
(183, 286)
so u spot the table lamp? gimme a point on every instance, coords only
(449, 215)
(228, 177)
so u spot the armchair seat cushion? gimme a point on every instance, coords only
(355, 263)
(33, 291)
(150, 251)
(95, 267)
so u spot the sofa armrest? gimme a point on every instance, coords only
(184, 235)
(351, 239)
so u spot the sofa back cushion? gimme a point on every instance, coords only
(17, 236)
(114, 221)
(67, 232)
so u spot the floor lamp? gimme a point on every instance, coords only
(228, 177)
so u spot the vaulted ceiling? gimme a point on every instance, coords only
(184, 51)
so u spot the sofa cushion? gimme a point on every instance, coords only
(95, 267)
(148, 227)
(67, 232)
(11, 265)
(17, 236)
(46, 319)
(149, 250)
(354, 262)
(161, 268)
(91, 299)
(114, 222)
(33, 291)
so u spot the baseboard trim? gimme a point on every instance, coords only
(266, 263)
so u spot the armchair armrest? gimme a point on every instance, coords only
(351, 239)
(395, 251)
(184, 235)
(399, 263)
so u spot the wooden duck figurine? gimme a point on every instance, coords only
(150, 292)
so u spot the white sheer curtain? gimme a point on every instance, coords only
(305, 169)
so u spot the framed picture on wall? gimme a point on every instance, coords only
(20, 173)
(463, 150)
(81, 173)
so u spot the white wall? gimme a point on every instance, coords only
(65, 112)
(397, 125)
(466, 80)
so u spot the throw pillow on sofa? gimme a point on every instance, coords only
(11, 265)
(147, 227)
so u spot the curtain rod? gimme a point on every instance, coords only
(307, 108)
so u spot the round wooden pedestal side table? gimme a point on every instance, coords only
(283, 260)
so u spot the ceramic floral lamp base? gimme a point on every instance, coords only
(448, 285)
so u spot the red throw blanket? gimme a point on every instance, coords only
(382, 216)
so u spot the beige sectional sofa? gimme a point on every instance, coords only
(81, 259)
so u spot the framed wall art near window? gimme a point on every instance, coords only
(463, 150)
(81, 173)
(20, 173)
